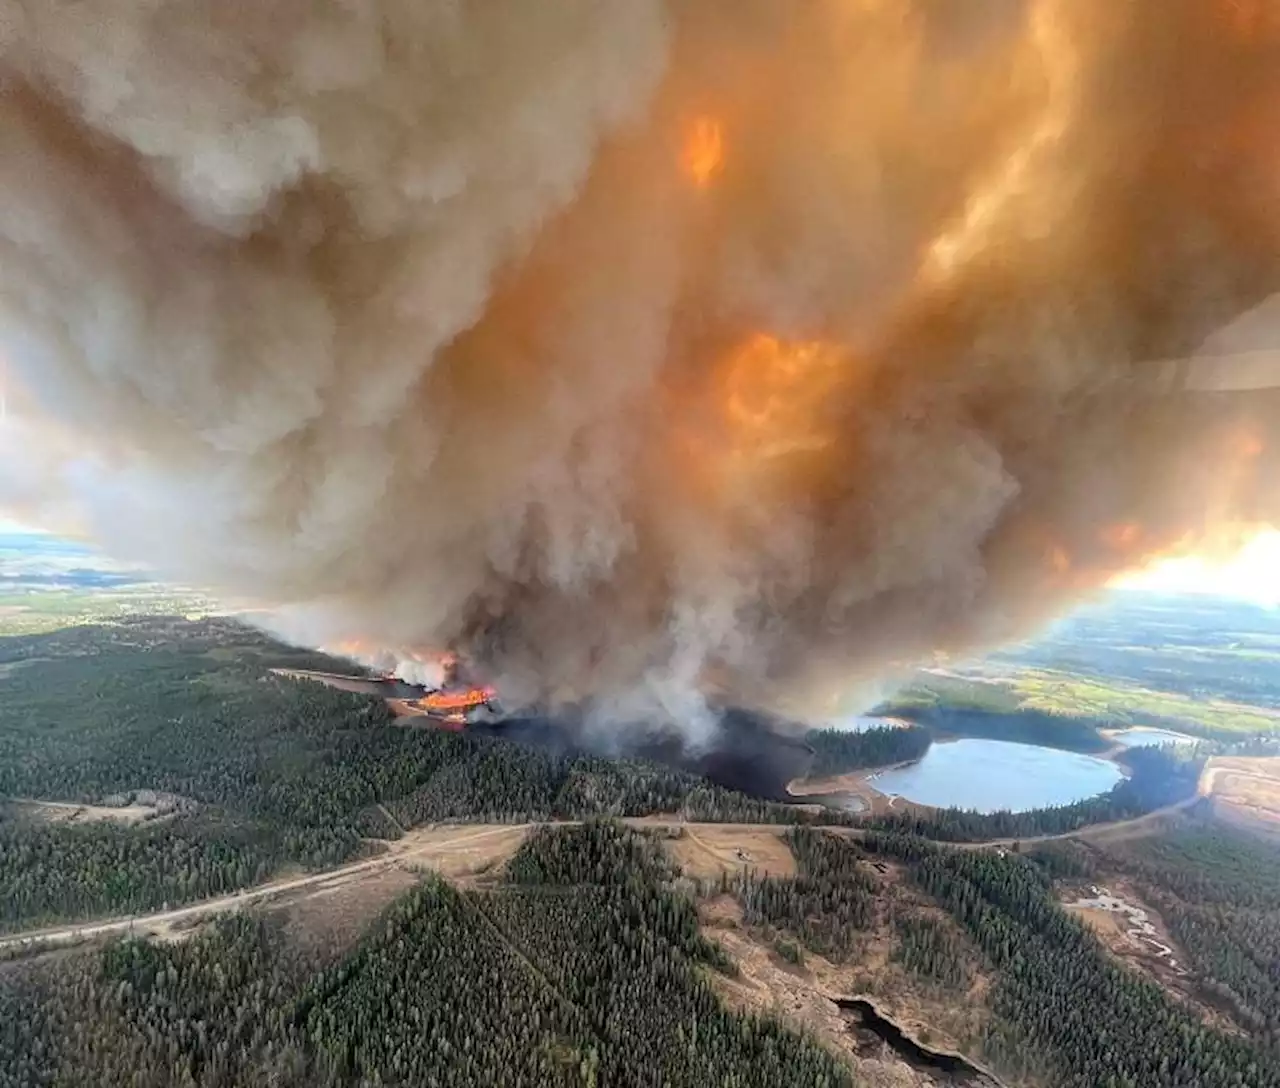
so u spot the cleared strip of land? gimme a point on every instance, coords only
(465, 851)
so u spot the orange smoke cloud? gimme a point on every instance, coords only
(623, 344)
(702, 156)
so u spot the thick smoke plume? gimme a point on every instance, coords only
(639, 349)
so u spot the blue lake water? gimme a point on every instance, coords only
(1141, 735)
(990, 775)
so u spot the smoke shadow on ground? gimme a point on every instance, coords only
(746, 752)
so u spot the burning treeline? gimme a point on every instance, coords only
(635, 348)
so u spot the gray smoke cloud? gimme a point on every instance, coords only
(638, 349)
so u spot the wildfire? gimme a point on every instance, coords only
(774, 391)
(1122, 537)
(446, 701)
(353, 648)
(1248, 446)
(1251, 18)
(702, 156)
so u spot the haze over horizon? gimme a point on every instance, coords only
(640, 348)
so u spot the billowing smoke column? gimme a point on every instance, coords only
(639, 349)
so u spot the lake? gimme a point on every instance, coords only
(1141, 735)
(991, 775)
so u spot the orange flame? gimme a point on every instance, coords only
(702, 156)
(774, 389)
(454, 701)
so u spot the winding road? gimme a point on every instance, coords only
(426, 844)
(414, 844)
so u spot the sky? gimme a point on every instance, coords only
(1251, 575)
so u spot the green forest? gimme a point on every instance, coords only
(825, 906)
(585, 969)
(280, 771)
(1063, 1009)
(838, 751)
(583, 963)
(1219, 893)
(1063, 1012)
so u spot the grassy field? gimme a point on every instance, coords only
(47, 584)
(1128, 704)
(1193, 664)
(32, 611)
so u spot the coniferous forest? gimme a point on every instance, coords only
(583, 960)
(585, 969)
(838, 751)
(271, 771)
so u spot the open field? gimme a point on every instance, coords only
(455, 850)
(1109, 700)
(1245, 792)
(706, 851)
(66, 812)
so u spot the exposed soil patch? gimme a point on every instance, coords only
(1133, 931)
(461, 853)
(330, 920)
(1128, 923)
(803, 996)
(856, 786)
(705, 851)
(952, 1019)
(944, 1066)
(807, 994)
(68, 812)
(768, 984)
(1245, 791)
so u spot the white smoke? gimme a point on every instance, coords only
(430, 323)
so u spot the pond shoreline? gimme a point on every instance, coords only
(1005, 767)
(961, 1070)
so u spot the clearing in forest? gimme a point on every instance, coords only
(707, 850)
(68, 812)
(460, 852)
(803, 996)
(1245, 791)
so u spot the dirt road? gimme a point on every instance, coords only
(423, 845)
(455, 850)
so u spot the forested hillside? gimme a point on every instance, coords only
(1219, 893)
(583, 963)
(586, 971)
(838, 751)
(277, 770)
(1064, 1011)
